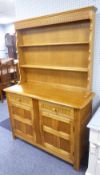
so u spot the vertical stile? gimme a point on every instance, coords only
(91, 46)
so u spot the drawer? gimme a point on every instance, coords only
(56, 109)
(15, 98)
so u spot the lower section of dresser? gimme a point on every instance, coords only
(47, 147)
(59, 130)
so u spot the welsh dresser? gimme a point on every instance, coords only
(52, 104)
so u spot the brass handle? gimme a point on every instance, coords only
(54, 109)
(19, 100)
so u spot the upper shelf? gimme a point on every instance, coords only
(78, 69)
(53, 44)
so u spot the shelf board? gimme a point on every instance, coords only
(77, 69)
(53, 44)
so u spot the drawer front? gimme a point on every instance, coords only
(19, 99)
(56, 109)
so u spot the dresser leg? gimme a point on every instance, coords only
(14, 137)
(77, 141)
(77, 165)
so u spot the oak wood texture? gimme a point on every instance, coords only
(51, 105)
(40, 91)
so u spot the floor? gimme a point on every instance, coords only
(20, 158)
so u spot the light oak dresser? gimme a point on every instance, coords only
(52, 104)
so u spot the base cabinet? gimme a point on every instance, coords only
(55, 128)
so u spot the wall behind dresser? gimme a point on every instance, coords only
(33, 8)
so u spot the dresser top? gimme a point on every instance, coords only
(63, 17)
(95, 121)
(68, 97)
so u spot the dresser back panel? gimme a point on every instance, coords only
(57, 77)
(71, 32)
(57, 56)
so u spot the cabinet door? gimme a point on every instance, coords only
(23, 121)
(57, 135)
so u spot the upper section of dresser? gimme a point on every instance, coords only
(55, 56)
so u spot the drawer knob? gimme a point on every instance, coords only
(19, 100)
(54, 109)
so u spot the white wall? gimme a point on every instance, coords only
(34, 8)
(9, 28)
(2, 41)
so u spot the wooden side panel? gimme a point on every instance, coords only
(10, 116)
(82, 118)
(86, 115)
(91, 51)
(20, 57)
